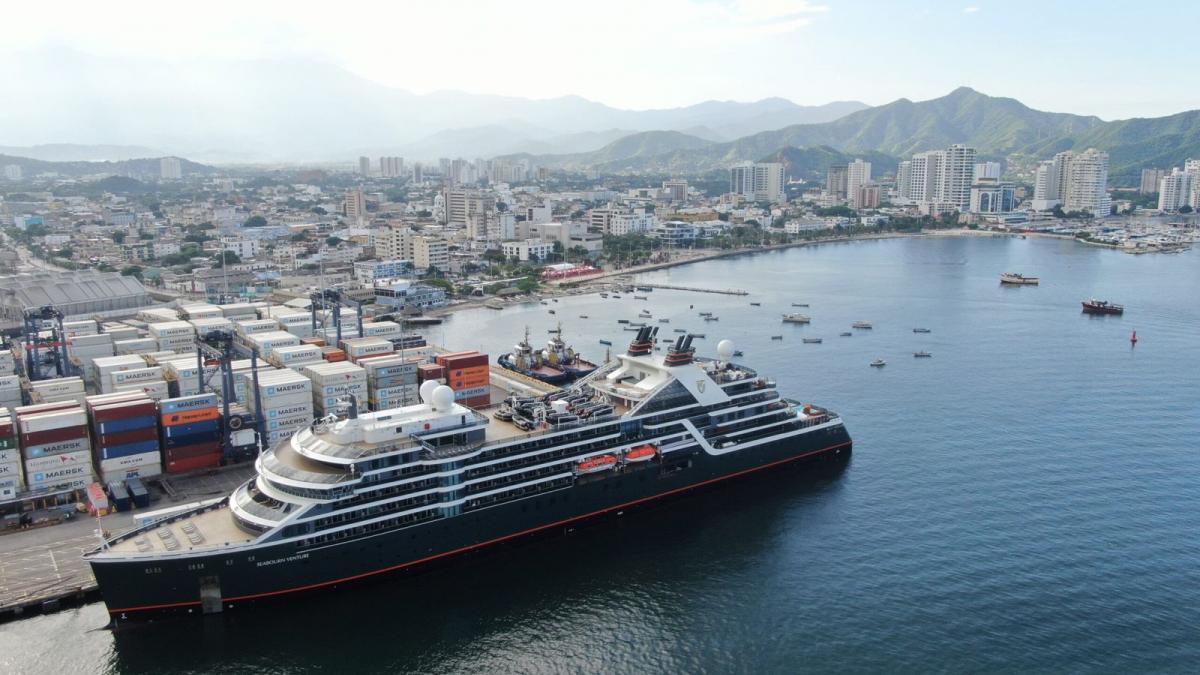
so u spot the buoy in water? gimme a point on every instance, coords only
(1133, 338)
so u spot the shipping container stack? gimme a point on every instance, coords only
(384, 329)
(284, 399)
(124, 429)
(155, 315)
(200, 311)
(333, 354)
(12, 478)
(266, 341)
(296, 323)
(57, 390)
(10, 391)
(391, 382)
(86, 348)
(120, 331)
(191, 432)
(468, 374)
(332, 383)
(207, 325)
(8, 362)
(173, 336)
(148, 379)
(294, 357)
(364, 348)
(239, 310)
(56, 448)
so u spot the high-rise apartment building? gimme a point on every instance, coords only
(364, 166)
(904, 180)
(1085, 183)
(836, 180)
(858, 173)
(759, 181)
(418, 173)
(676, 189)
(987, 170)
(923, 174)
(1175, 189)
(355, 206)
(391, 167)
(1151, 179)
(170, 168)
(462, 206)
(955, 176)
(13, 172)
(401, 243)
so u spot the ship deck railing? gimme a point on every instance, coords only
(284, 462)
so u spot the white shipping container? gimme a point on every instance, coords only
(170, 328)
(89, 340)
(381, 328)
(201, 311)
(58, 447)
(10, 472)
(50, 462)
(59, 419)
(136, 376)
(157, 390)
(293, 423)
(10, 455)
(9, 382)
(130, 461)
(62, 385)
(74, 478)
(120, 332)
(138, 346)
(144, 471)
(157, 315)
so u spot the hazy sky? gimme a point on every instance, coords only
(1112, 59)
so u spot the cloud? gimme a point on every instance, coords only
(970, 10)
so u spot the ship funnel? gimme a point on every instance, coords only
(641, 345)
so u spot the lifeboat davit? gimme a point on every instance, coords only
(596, 463)
(641, 453)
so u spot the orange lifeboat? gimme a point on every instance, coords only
(641, 453)
(596, 463)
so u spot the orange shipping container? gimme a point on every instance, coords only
(442, 358)
(319, 342)
(466, 382)
(333, 355)
(189, 416)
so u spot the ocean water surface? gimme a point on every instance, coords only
(1026, 500)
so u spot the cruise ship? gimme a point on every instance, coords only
(395, 491)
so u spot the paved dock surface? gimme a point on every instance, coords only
(45, 563)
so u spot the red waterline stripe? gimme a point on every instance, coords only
(490, 541)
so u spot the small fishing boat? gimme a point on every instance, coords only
(756, 304)
(583, 316)
(640, 297)
(878, 363)
(922, 355)
(554, 299)
(680, 330)
(776, 337)
(616, 297)
(799, 304)
(698, 336)
(622, 320)
(847, 334)
(862, 325)
(1095, 306)
(796, 318)
(551, 311)
(738, 352)
(922, 330)
(604, 295)
(664, 321)
(812, 341)
(705, 313)
(606, 342)
(712, 318)
(1014, 279)
(544, 302)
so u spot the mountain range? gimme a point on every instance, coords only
(139, 168)
(299, 110)
(996, 127)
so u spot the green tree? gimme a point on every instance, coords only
(333, 241)
(230, 258)
(132, 271)
(118, 237)
(255, 221)
(65, 252)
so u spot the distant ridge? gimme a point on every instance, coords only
(143, 168)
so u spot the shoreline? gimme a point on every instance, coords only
(600, 282)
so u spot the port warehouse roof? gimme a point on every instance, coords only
(77, 293)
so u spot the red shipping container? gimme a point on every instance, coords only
(7, 429)
(118, 411)
(189, 451)
(459, 363)
(319, 342)
(115, 397)
(208, 461)
(123, 437)
(476, 401)
(53, 436)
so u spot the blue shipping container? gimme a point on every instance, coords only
(189, 429)
(197, 402)
(115, 451)
(194, 439)
(126, 424)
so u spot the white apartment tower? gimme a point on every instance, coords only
(364, 166)
(955, 176)
(356, 206)
(858, 173)
(1085, 184)
(1175, 188)
(759, 181)
(391, 167)
(170, 168)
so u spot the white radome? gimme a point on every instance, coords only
(443, 398)
(725, 349)
(426, 390)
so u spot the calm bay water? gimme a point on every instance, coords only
(1026, 500)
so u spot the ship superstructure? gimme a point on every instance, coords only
(401, 489)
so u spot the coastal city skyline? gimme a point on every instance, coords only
(764, 336)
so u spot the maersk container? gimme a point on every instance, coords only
(67, 446)
(126, 424)
(165, 329)
(185, 403)
(68, 474)
(11, 471)
(289, 422)
(289, 411)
